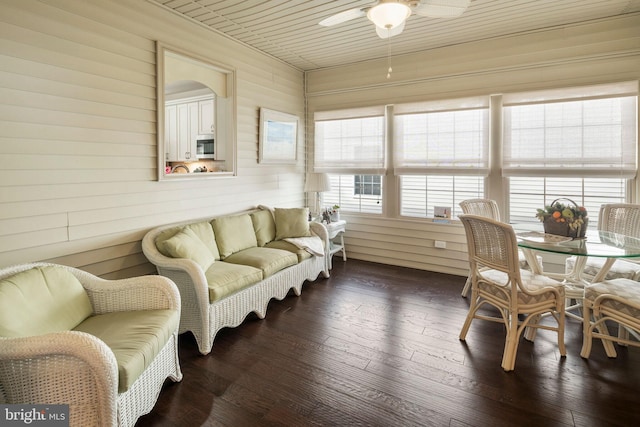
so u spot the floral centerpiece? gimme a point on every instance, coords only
(564, 219)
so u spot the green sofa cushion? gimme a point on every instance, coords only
(233, 234)
(292, 222)
(42, 300)
(135, 337)
(269, 260)
(224, 279)
(264, 226)
(185, 244)
(286, 246)
(204, 231)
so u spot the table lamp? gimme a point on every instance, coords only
(318, 183)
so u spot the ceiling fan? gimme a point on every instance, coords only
(389, 16)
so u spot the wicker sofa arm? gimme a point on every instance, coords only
(176, 268)
(67, 367)
(135, 293)
(321, 231)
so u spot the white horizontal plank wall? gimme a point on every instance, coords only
(601, 51)
(78, 132)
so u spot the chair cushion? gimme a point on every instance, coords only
(286, 246)
(292, 222)
(532, 282)
(224, 279)
(185, 244)
(620, 269)
(234, 233)
(135, 337)
(269, 260)
(42, 300)
(627, 289)
(264, 226)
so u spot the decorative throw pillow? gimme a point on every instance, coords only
(292, 222)
(204, 231)
(233, 234)
(264, 226)
(185, 244)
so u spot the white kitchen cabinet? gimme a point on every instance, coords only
(206, 123)
(171, 132)
(184, 121)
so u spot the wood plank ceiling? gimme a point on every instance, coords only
(289, 30)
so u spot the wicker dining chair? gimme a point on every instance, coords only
(489, 209)
(498, 281)
(623, 218)
(616, 301)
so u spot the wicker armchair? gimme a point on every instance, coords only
(77, 368)
(498, 281)
(623, 218)
(488, 208)
(611, 301)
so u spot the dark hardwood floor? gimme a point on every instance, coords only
(377, 345)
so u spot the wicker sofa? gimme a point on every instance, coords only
(103, 347)
(229, 266)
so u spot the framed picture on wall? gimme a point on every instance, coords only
(278, 137)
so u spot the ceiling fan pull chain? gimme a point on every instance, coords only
(389, 70)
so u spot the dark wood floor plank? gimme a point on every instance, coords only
(377, 345)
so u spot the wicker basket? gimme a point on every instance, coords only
(562, 228)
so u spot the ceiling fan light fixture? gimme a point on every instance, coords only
(389, 14)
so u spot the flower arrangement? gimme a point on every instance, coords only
(567, 219)
(332, 214)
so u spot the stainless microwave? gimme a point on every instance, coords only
(205, 148)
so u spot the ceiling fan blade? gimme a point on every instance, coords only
(341, 17)
(441, 8)
(385, 33)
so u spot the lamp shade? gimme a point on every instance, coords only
(317, 182)
(389, 14)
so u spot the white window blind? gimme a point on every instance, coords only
(419, 194)
(442, 138)
(526, 194)
(355, 193)
(578, 132)
(350, 141)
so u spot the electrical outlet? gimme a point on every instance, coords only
(440, 244)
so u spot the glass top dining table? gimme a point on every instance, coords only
(596, 243)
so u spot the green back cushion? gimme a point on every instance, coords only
(292, 222)
(234, 233)
(40, 301)
(264, 226)
(185, 244)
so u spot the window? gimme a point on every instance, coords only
(420, 193)
(441, 153)
(526, 194)
(578, 143)
(350, 197)
(350, 146)
(367, 185)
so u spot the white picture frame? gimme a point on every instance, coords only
(278, 137)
